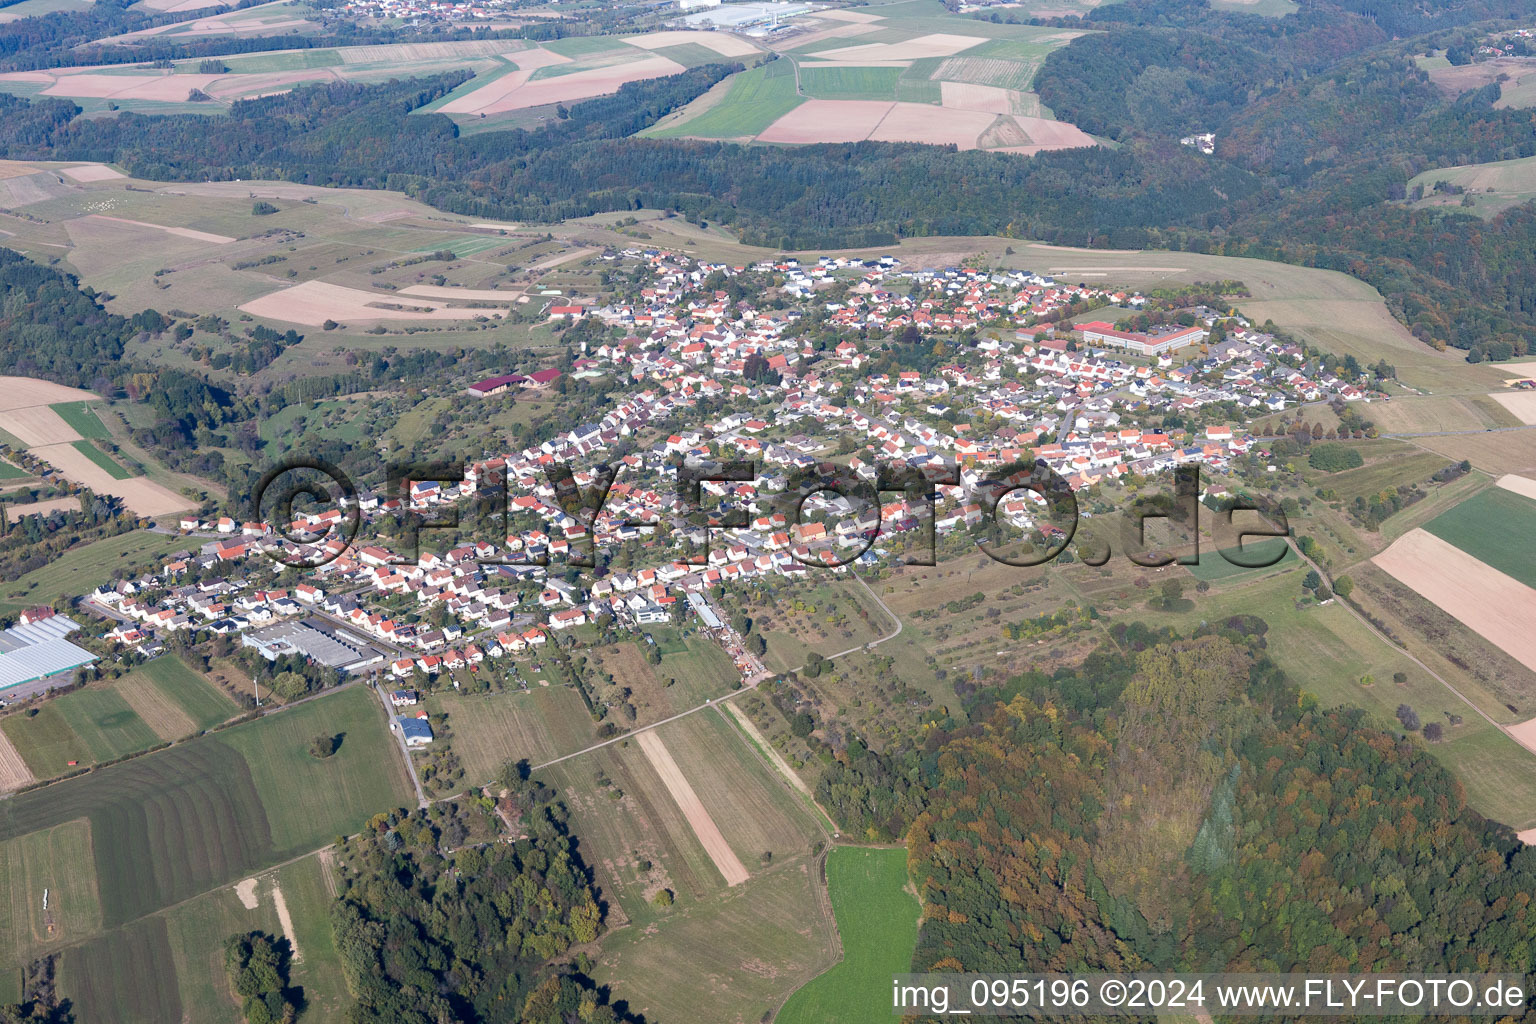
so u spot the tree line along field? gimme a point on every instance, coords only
(174, 824)
(163, 700)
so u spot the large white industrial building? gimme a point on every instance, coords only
(37, 649)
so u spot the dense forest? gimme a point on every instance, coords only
(1151, 808)
(430, 933)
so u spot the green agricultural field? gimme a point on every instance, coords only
(701, 669)
(58, 860)
(308, 801)
(295, 60)
(82, 569)
(732, 958)
(45, 741)
(82, 417)
(1263, 8)
(488, 730)
(102, 459)
(849, 83)
(209, 811)
(201, 700)
(103, 720)
(877, 920)
(1492, 527)
(752, 101)
(10, 472)
(124, 977)
(1493, 186)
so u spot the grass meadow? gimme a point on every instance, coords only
(82, 569)
(877, 919)
(751, 102)
(197, 697)
(488, 730)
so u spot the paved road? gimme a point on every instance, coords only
(405, 752)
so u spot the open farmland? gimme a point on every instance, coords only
(146, 497)
(103, 461)
(174, 700)
(731, 959)
(207, 812)
(82, 418)
(1518, 74)
(682, 793)
(1492, 604)
(729, 953)
(1488, 527)
(14, 772)
(125, 976)
(80, 570)
(314, 302)
(27, 412)
(627, 809)
(1492, 186)
(87, 726)
(58, 860)
(370, 261)
(877, 920)
(308, 801)
(918, 76)
(488, 730)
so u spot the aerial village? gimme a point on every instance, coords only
(1011, 381)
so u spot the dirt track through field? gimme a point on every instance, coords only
(1497, 607)
(688, 802)
(286, 921)
(14, 772)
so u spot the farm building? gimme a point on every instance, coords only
(36, 649)
(496, 385)
(417, 731)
